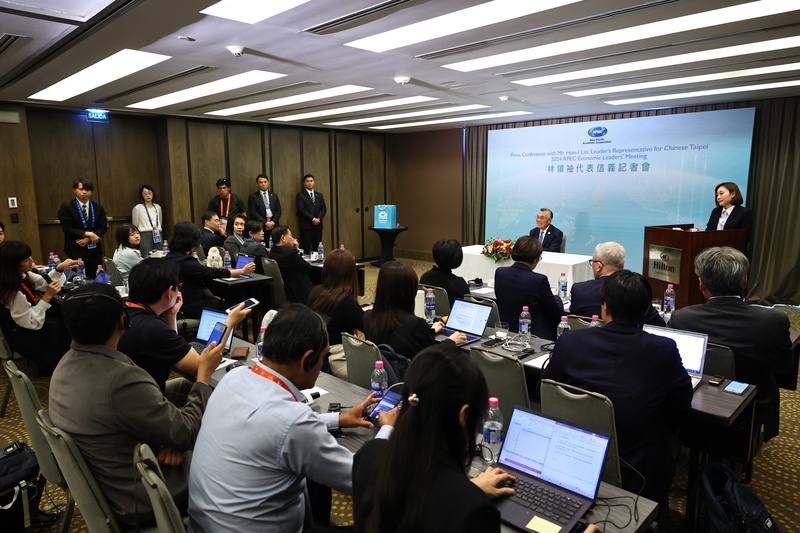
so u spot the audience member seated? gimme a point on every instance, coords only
(127, 254)
(2, 232)
(257, 480)
(254, 241)
(549, 236)
(210, 235)
(233, 243)
(294, 269)
(193, 274)
(336, 297)
(608, 257)
(518, 285)
(759, 337)
(640, 373)
(109, 405)
(447, 255)
(392, 320)
(31, 326)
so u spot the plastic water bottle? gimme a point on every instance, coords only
(525, 324)
(226, 261)
(321, 251)
(596, 322)
(430, 306)
(101, 276)
(669, 300)
(562, 285)
(51, 261)
(80, 275)
(563, 327)
(379, 381)
(165, 245)
(493, 429)
(57, 260)
(270, 242)
(260, 342)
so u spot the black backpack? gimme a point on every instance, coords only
(395, 364)
(19, 489)
(729, 506)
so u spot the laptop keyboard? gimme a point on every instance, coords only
(544, 502)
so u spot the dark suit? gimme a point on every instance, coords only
(74, 228)
(256, 210)
(585, 301)
(310, 235)
(455, 286)
(195, 278)
(224, 210)
(740, 218)
(643, 377)
(760, 342)
(518, 285)
(552, 238)
(209, 239)
(294, 271)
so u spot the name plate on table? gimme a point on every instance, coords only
(664, 263)
(385, 216)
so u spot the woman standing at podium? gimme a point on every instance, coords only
(729, 213)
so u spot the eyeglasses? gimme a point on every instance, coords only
(594, 261)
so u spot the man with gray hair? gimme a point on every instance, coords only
(608, 257)
(547, 234)
(759, 337)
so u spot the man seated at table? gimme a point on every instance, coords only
(548, 235)
(108, 405)
(210, 235)
(759, 337)
(257, 480)
(294, 269)
(254, 242)
(640, 373)
(608, 257)
(518, 285)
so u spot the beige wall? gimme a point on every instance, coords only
(425, 182)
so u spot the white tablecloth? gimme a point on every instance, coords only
(552, 265)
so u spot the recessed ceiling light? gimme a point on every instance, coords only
(503, 98)
(469, 118)
(114, 67)
(706, 19)
(250, 11)
(397, 116)
(470, 18)
(355, 108)
(710, 92)
(689, 79)
(214, 87)
(290, 100)
(680, 59)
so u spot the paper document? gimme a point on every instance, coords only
(308, 392)
(484, 290)
(537, 362)
(225, 362)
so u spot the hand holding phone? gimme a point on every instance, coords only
(248, 304)
(387, 403)
(216, 333)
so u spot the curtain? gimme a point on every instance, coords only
(474, 212)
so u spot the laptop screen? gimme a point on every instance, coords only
(556, 452)
(243, 260)
(691, 346)
(469, 317)
(209, 319)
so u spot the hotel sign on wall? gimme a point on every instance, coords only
(664, 263)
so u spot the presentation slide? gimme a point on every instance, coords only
(605, 180)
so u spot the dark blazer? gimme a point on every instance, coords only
(209, 239)
(195, 276)
(73, 229)
(294, 271)
(455, 286)
(237, 206)
(740, 218)
(643, 377)
(552, 239)
(453, 504)
(760, 342)
(516, 286)
(411, 336)
(306, 210)
(256, 210)
(346, 315)
(585, 301)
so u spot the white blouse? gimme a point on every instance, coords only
(30, 316)
(140, 220)
(126, 258)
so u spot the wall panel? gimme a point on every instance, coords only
(206, 162)
(285, 150)
(244, 158)
(348, 184)
(373, 187)
(176, 200)
(16, 180)
(317, 161)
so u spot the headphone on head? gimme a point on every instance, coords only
(86, 296)
(309, 363)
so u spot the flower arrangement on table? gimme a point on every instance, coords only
(498, 249)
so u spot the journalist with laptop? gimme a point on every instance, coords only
(465, 317)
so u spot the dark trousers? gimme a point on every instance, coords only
(310, 236)
(91, 259)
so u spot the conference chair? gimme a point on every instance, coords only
(587, 410)
(168, 518)
(29, 405)
(271, 268)
(6, 354)
(114, 275)
(361, 356)
(578, 322)
(494, 314)
(720, 361)
(442, 301)
(201, 254)
(505, 377)
(563, 243)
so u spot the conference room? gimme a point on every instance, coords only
(578, 217)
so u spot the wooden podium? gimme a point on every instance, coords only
(669, 257)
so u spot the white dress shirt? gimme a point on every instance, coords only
(140, 220)
(30, 316)
(723, 217)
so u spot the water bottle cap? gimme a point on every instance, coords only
(428, 290)
(524, 307)
(563, 273)
(564, 318)
(494, 402)
(262, 329)
(595, 317)
(378, 364)
(669, 285)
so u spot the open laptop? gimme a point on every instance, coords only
(209, 319)
(469, 318)
(691, 346)
(557, 468)
(242, 261)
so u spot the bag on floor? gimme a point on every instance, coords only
(19, 471)
(729, 506)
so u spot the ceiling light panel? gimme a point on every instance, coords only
(410, 114)
(230, 83)
(470, 18)
(116, 66)
(668, 61)
(355, 108)
(469, 118)
(250, 11)
(290, 100)
(710, 92)
(696, 21)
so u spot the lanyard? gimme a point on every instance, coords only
(136, 306)
(83, 218)
(156, 210)
(272, 377)
(228, 210)
(24, 286)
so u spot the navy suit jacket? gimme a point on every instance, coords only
(740, 218)
(518, 285)
(256, 210)
(552, 239)
(307, 210)
(585, 301)
(643, 377)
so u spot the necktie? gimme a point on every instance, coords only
(266, 199)
(85, 211)
(312, 197)
(541, 236)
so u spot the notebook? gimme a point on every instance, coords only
(242, 261)
(469, 318)
(691, 346)
(208, 319)
(557, 468)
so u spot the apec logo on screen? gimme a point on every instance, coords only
(597, 132)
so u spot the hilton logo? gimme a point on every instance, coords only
(664, 263)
